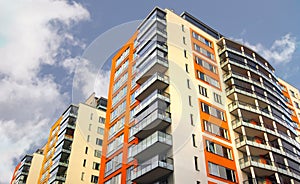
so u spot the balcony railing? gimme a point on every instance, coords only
(152, 65)
(252, 141)
(152, 170)
(156, 95)
(156, 81)
(155, 144)
(259, 162)
(158, 120)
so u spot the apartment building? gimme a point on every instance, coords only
(292, 96)
(188, 105)
(27, 171)
(72, 153)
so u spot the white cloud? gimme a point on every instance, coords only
(31, 36)
(280, 52)
(88, 78)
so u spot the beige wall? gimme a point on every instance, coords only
(181, 128)
(77, 156)
(35, 167)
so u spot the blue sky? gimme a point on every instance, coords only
(41, 43)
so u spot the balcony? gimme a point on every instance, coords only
(156, 32)
(155, 144)
(260, 181)
(262, 166)
(152, 170)
(150, 66)
(149, 23)
(158, 120)
(157, 81)
(155, 96)
(235, 105)
(251, 126)
(72, 111)
(256, 145)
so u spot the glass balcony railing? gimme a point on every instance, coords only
(155, 144)
(156, 95)
(157, 120)
(156, 81)
(152, 170)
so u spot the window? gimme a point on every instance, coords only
(292, 93)
(101, 120)
(196, 163)
(192, 119)
(100, 130)
(297, 105)
(88, 138)
(91, 116)
(213, 111)
(221, 172)
(132, 98)
(190, 101)
(204, 52)
(182, 28)
(183, 40)
(217, 98)
(99, 141)
(202, 91)
(188, 83)
(84, 163)
(187, 68)
(97, 153)
(214, 129)
(202, 39)
(208, 79)
(185, 54)
(218, 149)
(86, 150)
(94, 179)
(193, 139)
(82, 176)
(205, 64)
(96, 166)
(90, 127)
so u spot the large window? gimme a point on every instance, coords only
(115, 144)
(114, 164)
(221, 172)
(202, 39)
(208, 79)
(213, 111)
(215, 129)
(116, 127)
(205, 64)
(204, 52)
(218, 149)
(118, 111)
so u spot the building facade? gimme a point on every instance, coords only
(27, 171)
(72, 153)
(188, 105)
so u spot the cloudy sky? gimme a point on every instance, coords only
(41, 42)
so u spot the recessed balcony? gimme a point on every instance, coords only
(152, 170)
(156, 144)
(262, 166)
(257, 145)
(157, 81)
